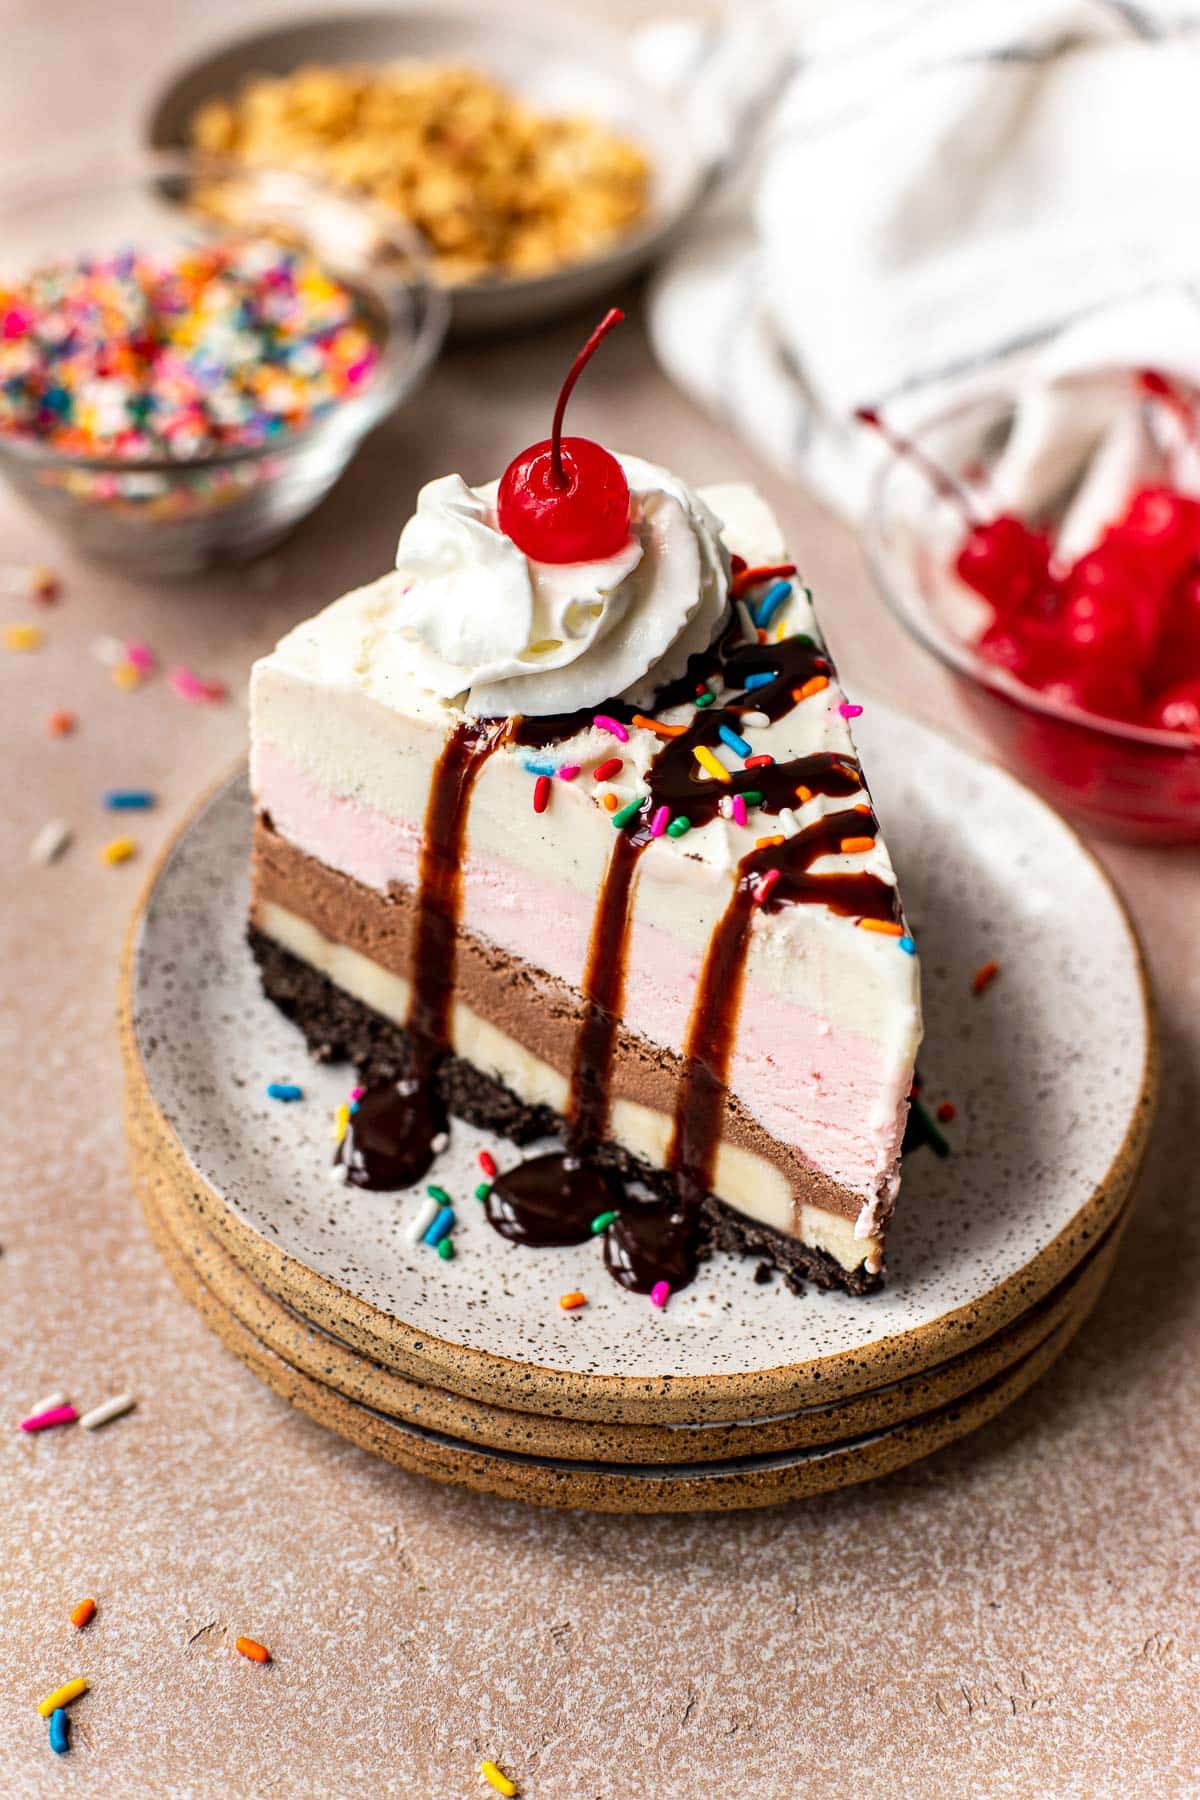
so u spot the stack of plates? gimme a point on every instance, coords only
(738, 1394)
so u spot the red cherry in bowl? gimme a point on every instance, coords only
(1178, 708)
(566, 499)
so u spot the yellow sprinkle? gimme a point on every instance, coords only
(498, 1779)
(341, 1122)
(884, 926)
(64, 1695)
(126, 675)
(708, 762)
(22, 637)
(781, 631)
(118, 850)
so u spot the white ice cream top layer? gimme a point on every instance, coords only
(467, 616)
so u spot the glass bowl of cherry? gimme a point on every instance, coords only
(1071, 614)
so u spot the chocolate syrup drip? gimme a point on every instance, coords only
(390, 1137)
(553, 1199)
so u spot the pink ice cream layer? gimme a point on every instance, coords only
(810, 1087)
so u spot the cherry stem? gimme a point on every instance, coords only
(558, 475)
(943, 484)
(1154, 383)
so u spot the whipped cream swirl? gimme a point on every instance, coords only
(481, 619)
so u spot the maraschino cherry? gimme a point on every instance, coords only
(566, 499)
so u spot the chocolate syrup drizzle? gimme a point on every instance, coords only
(558, 1198)
(389, 1142)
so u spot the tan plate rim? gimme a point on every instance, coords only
(483, 1375)
(694, 1488)
(360, 1380)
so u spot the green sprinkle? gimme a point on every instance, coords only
(446, 1249)
(705, 699)
(483, 1190)
(438, 1193)
(752, 796)
(678, 826)
(601, 1222)
(626, 813)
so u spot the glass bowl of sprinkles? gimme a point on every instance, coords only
(1050, 694)
(191, 352)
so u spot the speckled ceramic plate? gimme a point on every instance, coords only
(1051, 1070)
(763, 1479)
(334, 1364)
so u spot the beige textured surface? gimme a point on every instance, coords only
(1015, 1617)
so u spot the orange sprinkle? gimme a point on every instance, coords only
(984, 976)
(85, 1611)
(852, 846)
(256, 1652)
(573, 1301)
(610, 801)
(61, 723)
(803, 793)
(760, 572)
(768, 843)
(813, 685)
(657, 726)
(885, 927)
(946, 1111)
(862, 807)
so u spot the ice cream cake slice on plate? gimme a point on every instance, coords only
(560, 828)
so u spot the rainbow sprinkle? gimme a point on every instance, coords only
(624, 814)
(601, 1222)
(60, 1740)
(984, 976)
(738, 809)
(660, 1293)
(771, 602)
(284, 1090)
(541, 793)
(145, 354)
(496, 1778)
(660, 821)
(849, 711)
(605, 770)
(735, 743)
(613, 727)
(709, 763)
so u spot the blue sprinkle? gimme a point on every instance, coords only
(908, 945)
(58, 1731)
(129, 800)
(284, 1090)
(541, 768)
(756, 681)
(771, 602)
(353, 1108)
(734, 741)
(442, 1226)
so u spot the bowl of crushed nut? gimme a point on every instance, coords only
(538, 166)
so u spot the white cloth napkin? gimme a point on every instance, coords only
(926, 196)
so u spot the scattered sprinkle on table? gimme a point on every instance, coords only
(256, 1652)
(496, 1778)
(23, 637)
(83, 1614)
(30, 582)
(116, 1408)
(850, 711)
(60, 1731)
(118, 850)
(126, 675)
(57, 1398)
(482, 1189)
(984, 976)
(190, 686)
(660, 1293)
(441, 1227)
(487, 1163)
(62, 1696)
(946, 1111)
(176, 354)
(45, 1421)
(129, 800)
(284, 1090)
(573, 1301)
(61, 723)
(50, 841)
